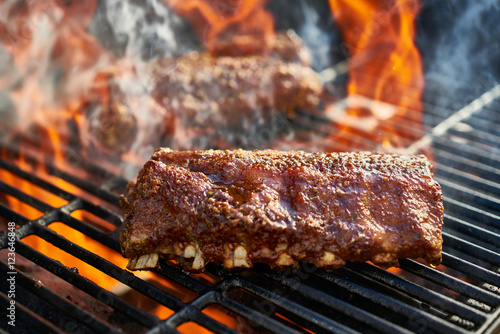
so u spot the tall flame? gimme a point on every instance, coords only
(231, 27)
(385, 64)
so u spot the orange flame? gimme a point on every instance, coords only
(385, 64)
(52, 145)
(231, 27)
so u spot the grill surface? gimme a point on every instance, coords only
(461, 296)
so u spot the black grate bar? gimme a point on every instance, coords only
(391, 304)
(373, 296)
(37, 181)
(97, 210)
(110, 269)
(470, 269)
(450, 282)
(181, 278)
(485, 124)
(85, 185)
(82, 204)
(252, 316)
(257, 317)
(12, 215)
(63, 215)
(434, 299)
(477, 136)
(457, 208)
(94, 233)
(327, 300)
(485, 157)
(472, 230)
(355, 313)
(60, 303)
(42, 206)
(488, 172)
(468, 180)
(29, 318)
(191, 313)
(452, 189)
(25, 198)
(471, 249)
(86, 285)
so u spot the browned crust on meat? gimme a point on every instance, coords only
(242, 207)
(225, 101)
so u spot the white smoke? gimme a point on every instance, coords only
(466, 59)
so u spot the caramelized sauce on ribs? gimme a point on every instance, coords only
(240, 207)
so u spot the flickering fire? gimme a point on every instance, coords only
(386, 81)
(231, 27)
(385, 64)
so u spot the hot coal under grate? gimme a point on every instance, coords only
(460, 296)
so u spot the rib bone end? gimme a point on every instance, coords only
(146, 261)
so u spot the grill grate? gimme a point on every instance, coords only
(461, 296)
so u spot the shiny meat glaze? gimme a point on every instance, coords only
(241, 207)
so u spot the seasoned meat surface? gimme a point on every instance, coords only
(227, 101)
(240, 207)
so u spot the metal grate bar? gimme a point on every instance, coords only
(477, 232)
(441, 302)
(60, 303)
(477, 136)
(450, 282)
(471, 249)
(468, 194)
(29, 318)
(192, 314)
(85, 185)
(443, 127)
(97, 210)
(25, 198)
(343, 307)
(181, 278)
(463, 210)
(316, 318)
(391, 304)
(110, 269)
(469, 164)
(473, 153)
(470, 269)
(407, 129)
(256, 317)
(104, 238)
(12, 215)
(85, 285)
(485, 124)
(37, 181)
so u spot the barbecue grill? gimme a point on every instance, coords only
(462, 295)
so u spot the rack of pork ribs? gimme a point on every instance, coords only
(202, 100)
(237, 208)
